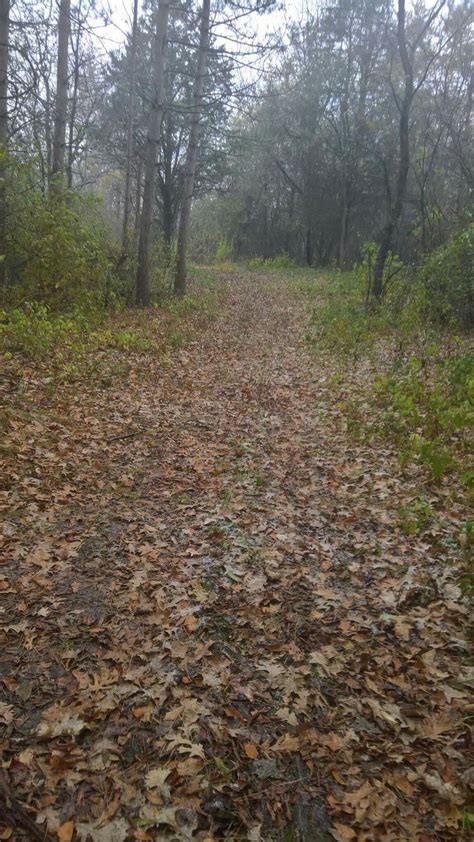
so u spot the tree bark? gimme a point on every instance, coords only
(191, 155)
(344, 226)
(75, 90)
(138, 198)
(4, 50)
(167, 214)
(308, 248)
(142, 289)
(130, 118)
(386, 236)
(60, 115)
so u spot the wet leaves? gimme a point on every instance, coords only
(215, 624)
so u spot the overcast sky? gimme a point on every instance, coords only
(121, 16)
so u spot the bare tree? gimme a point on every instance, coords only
(395, 209)
(60, 115)
(191, 155)
(409, 91)
(130, 116)
(4, 48)
(142, 290)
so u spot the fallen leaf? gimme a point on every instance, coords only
(286, 743)
(115, 831)
(6, 713)
(191, 623)
(251, 750)
(66, 831)
(343, 832)
(155, 779)
(59, 724)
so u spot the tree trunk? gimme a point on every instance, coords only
(4, 47)
(138, 198)
(308, 248)
(191, 156)
(75, 90)
(142, 290)
(386, 237)
(167, 214)
(344, 226)
(130, 116)
(60, 115)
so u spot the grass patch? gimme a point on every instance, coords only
(280, 261)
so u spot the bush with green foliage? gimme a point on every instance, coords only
(36, 333)
(224, 251)
(365, 268)
(124, 340)
(448, 278)
(163, 264)
(428, 407)
(425, 392)
(59, 249)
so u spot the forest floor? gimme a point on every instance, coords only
(214, 626)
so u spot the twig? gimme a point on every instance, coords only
(125, 436)
(13, 813)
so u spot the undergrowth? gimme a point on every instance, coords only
(280, 261)
(74, 346)
(422, 383)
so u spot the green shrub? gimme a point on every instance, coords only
(448, 277)
(177, 339)
(205, 303)
(59, 249)
(428, 406)
(425, 394)
(224, 251)
(35, 333)
(415, 516)
(343, 323)
(163, 264)
(365, 269)
(124, 340)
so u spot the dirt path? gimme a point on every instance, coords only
(213, 628)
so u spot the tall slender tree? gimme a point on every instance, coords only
(4, 55)
(407, 56)
(127, 201)
(60, 114)
(395, 209)
(142, 289)
(191, 155)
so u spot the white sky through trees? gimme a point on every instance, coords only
(120, 13)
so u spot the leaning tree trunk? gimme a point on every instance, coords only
(4, 46)
(191, 155)
(60, 115)
(131, 110)
(142, 288)
(386, 236)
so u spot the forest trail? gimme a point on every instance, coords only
(214, 628)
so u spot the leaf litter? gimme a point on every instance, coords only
(217, 629)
